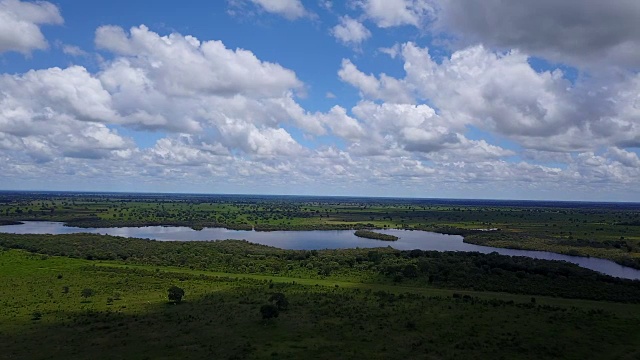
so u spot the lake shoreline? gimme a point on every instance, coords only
(324, 239)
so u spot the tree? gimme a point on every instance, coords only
(87, 293)
(176, 294)
(410, 271)
(269, 311)
(280, 301)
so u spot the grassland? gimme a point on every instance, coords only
(355, 303)
(44, 316)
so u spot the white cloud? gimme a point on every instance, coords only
(392, 51)
(290, 9)
(390, 13)
(174, 83)
(185, 151)
(19, 24)
(259, 141)
(180, 84)
(626, 158)
(182, 65)
(73, 50)
(42, 94)
(403, 129)
(350, 31)
(386, 88)
(501, 93)
(341, 124)
(227, 117)
(43, 130)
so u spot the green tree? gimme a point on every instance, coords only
(410, 271)
(269, 311)
(87, 293)
(36, 315)
(176, 294)
(280, 301)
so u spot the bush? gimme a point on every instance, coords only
(280, 301)
(269, 311)
(176, 294)
(87, 293)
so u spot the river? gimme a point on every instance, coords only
(321, 239)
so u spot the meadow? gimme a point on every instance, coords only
(44, 315)
(106, 297)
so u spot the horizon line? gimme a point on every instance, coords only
(310, 195)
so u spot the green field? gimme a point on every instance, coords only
(44, 316)
(93, 296)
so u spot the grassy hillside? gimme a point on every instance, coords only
(43, 315)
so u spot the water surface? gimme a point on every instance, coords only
(321, 239)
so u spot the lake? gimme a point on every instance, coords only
(321, 239)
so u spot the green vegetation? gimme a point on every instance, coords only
(374, 235)
(176, 294)
(269, 311)
(453, 270)
(129, 317)
(102, 297)
(600, 230)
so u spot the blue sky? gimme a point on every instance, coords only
(421, 98)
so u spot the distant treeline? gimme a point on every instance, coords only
(96, 222)
(374, 235)
(621, 251)
(630, 223)
(455, 270)
(9, 222)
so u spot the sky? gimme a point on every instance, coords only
(402, 98)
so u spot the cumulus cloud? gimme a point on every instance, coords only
(385, 88)
(183, 65)
(341, 124)
(392, 51)
(350, 31)
(59, 113)
(290, 9)
(73, 50)
(181, 84)
(579, 32)
(20, 24)
(626, 158)
(185, 150)
(224, 116)
(406, 130)
(175, 84)
(390, 13)
(498, 90)
(40, 94)
(501, 93)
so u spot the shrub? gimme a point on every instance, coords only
(87, 293)
(176, 294)
(269, 311)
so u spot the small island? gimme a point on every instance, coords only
(374, 235)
